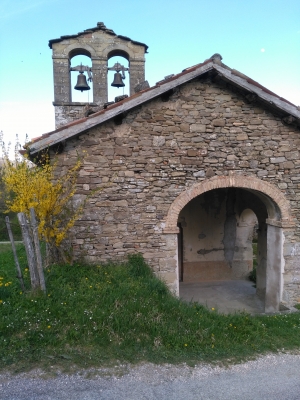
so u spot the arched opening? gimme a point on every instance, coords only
(114, 58)
(78, 58)
(217, 234)
(217, 218)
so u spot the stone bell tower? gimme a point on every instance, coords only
(100, 44)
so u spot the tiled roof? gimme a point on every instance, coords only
(170, 82)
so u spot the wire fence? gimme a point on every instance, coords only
(15, 227)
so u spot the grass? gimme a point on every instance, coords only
(95, 315)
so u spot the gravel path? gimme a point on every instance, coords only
(267, 378)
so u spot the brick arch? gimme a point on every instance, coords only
(268, 193)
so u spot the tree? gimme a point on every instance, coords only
(29, 185)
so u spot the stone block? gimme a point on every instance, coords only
(199, 174)
(168, 277)
(218, 122)
(267, 153)
(282, 185)
(277, 160)
(232, 157)
(158, 141)
(262, 173)
(242, 136)
(191, 161)
(292, 155)
(199, 128)
(223, 97)
(287, 165)
(192, 153)
(123, 151)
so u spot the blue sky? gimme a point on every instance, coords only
(260, 38)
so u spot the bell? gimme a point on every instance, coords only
(118, 82)
(81, 83)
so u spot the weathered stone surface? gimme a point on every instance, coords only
(197, 128)
(242, 136)
(97, 44)
(276, 160)
(218, 122)
(205, 131)
(123, 151)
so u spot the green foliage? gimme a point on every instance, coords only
(92, 315)
(252, 275)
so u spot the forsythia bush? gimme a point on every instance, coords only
(28, 185)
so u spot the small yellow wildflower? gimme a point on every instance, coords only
(49, 326)
(1, 301)
(213, 308)
(21, 292)
(185, 345)
(26, 269)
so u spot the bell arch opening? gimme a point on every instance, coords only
(215, 222)
(80, 79)
(119, 60)
(118, 53)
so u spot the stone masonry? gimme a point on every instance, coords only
(206, 131)
(99, 44)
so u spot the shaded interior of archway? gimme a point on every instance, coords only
(216, 252)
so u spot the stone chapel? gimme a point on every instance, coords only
(185, 172)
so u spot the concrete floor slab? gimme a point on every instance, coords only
(225, 296)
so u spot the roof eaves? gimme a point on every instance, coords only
(82, 125)
(262, 92)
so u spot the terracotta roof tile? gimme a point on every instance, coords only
(159, 84)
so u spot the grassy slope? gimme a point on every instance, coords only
(92, 315)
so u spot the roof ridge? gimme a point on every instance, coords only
(100, 27)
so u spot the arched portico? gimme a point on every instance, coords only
(234, 194)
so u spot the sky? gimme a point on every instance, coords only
(260, 38)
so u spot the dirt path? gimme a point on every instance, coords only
(272, 377)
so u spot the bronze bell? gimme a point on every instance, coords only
(118, 81)
(81, 82)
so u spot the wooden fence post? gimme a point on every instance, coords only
(39, 261)
(11, 238)
(29, 251)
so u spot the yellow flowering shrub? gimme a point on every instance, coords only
(28, 185)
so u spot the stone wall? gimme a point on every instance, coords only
(133, 172)
(99, 44)
(69, 112)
